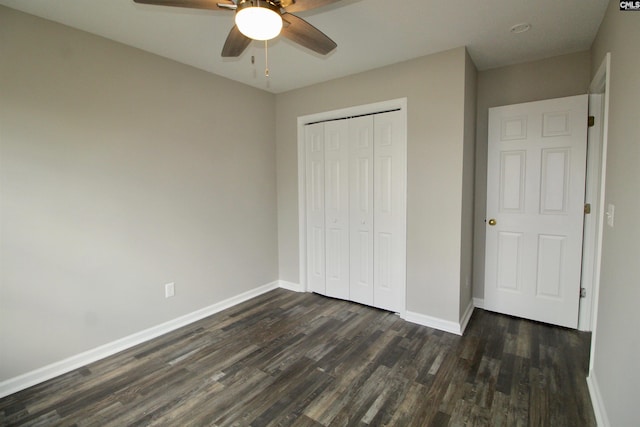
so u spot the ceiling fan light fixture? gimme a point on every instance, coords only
(258, 20)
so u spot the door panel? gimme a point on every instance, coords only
(554, 188)
(509, 261)
(535, 194)
(512, 190)
(551, 252)
(361, 209)
(389, 211)
(336, 138)
(314, 148)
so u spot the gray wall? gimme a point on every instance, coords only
(435, 88)
(556, 77)
(121, 171)
(468, 179)
(617, 344)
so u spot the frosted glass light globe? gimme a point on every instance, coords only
(259, 22)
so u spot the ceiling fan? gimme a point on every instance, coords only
(263, 20)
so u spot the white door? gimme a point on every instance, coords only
(535, 207)
(336, 143)
(314, 189)
(390, 214)
(361, 209)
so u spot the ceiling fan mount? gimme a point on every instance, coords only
(263, 20)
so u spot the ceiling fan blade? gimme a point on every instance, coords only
(305, 34)
(235, 44)
(302, 5)
(229, 6)
(193, 4)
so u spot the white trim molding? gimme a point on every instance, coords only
(466, 316)
(478, 302)
(600, 84)
(596, 401)
(64, 366)
(290, 286)
(440, 324)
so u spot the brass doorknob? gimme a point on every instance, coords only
(492, 222)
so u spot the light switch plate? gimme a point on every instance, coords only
(610, 214)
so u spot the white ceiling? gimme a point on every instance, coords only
(369, 33)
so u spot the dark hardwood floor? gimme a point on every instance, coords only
(292, 359)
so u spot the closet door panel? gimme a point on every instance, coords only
(336, 143)
(389, 211)
(315, 209)
(361, 209)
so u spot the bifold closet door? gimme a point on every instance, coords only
(390, 223)
(356, 209)
(314, 183)
(361, 209)
(336, 209)
(327, 205)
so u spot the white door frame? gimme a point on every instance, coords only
(590, 236)
(595, 189)
(594, 194)
(599, 85)
(378, 107)
(599, 92)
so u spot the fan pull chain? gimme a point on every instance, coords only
(266, 59)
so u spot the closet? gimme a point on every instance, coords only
(355, 204)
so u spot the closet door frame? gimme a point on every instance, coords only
(379, 107)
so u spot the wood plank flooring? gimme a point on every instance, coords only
(295, 359)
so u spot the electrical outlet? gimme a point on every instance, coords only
(169, 290)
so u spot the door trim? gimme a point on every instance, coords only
(592, 190)
(599, 85)
(378, 107)
(596, 175)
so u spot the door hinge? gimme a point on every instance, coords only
(583, 293)
(587, 208)
(591, 121)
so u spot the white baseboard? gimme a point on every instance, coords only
(478, 302)
(441, 324)
(466, 317)
(596, 401)
(290, 286)
(434, 322)
(53, 370)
